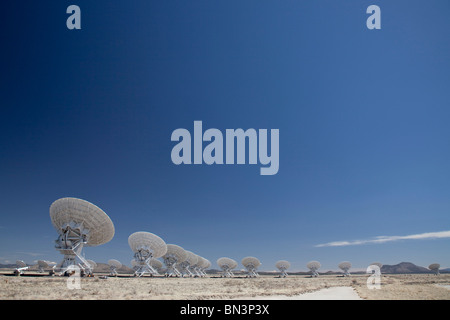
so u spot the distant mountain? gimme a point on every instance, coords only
(404, 267)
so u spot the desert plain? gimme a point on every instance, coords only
(393, 287)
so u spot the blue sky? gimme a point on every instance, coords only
(363, 118)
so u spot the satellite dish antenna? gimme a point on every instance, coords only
(194, 267)
(202, 263)
(134, 265)
(206, 266)
(92, 264)
(113, 266)
(89, 267)
(198, 267)
(227, 265)
(79, 224)
(251, 264)
(283, 265)
(187, 265)
(313, 266)
(21, 267)
(345, 266)
(435, 268)
(174, 255)
(145, 246)
(42, 265)
(156, 264)
(233, 266)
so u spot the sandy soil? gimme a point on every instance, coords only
(392, 287)
(406, 287)
(334, 293)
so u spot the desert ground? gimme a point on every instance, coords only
(395, 286)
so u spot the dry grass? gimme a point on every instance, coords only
(392, 287)
(406, 287)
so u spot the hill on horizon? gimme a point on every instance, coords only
(404, 267)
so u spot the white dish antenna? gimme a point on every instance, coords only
(251, 264)
(21, 264)
(113, 266)
(313, 266)
(200, 266)
(435, 268)
(43, 264)
(89, 267)
(174, 255)
(156, 264)
(145, 246)
(139, 241)
(206, 266)
(92, 264)
(21, 267)
(79, 223)
(186, 266)
(115, 263)
(227, 265)
(134, 264)
(345, 266)
(283, 265)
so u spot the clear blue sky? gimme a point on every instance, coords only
(363, 117)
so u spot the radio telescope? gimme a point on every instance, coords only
(233, 266)
(186, 265)
(283, 265)
(174, 255)
(435, 268)
(345, 266)
(197, 268)
(21, 267)
(145, 246)
(206, 266)
(89, 268)
(42, 264)
(156, 264)
(227, 265)
(79, 223)
(134, 265)
(313, 266)
(251, 264)
(113, 266)
(202, 264)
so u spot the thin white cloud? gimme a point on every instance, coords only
(383, 239)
